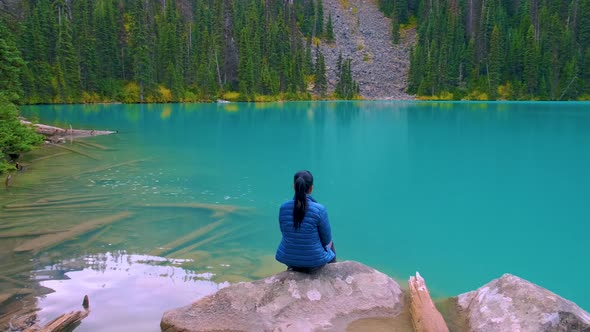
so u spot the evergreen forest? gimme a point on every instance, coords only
(165, 50)
(497, 49)
(88, 51)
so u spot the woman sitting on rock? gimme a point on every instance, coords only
(307, 238)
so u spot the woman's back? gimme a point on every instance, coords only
(305, 246)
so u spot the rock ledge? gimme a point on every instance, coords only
(327, 300)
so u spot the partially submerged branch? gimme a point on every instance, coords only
(56, 132)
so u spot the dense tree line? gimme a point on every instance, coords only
(15, 138)
(166, 50)
(498, 49)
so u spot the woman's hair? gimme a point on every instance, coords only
(303, 181)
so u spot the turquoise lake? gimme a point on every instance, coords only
(462, 192)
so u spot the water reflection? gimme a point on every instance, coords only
(130, 292)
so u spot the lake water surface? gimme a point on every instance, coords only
(184, 199)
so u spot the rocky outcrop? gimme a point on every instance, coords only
(513, 304)
(327, 300)
(363, 34)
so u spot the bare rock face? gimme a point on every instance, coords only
(363, 34)
(327, 300)
(513, 304)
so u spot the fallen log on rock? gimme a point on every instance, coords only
(425, 317)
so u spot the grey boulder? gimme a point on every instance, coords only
(514, 304)
(327, 300)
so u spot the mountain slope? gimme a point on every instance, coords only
(363, 34)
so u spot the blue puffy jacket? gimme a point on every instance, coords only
(305, 246)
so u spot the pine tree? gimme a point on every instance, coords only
(495, 61)
(321, 81)
(15, 138)
(319, 18)
(84, 41)
(11, 64)
(67, 65)
(531, 62)
(346, 87)
(109, 69)
(329, 30)
(140, 48)
(395, 35)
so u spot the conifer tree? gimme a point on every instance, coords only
(329, 29)
(15, 138)
(319, 18)
(321, 81)
(395, 35)
(531, 62)
(10, 66)
(495, 61)
(346, 87)
(140, 48)
(84, 41)
(66, 71)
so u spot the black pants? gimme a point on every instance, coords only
(312, 269)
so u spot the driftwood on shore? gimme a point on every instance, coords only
(52, 131)
(425, 316)
(51, 240)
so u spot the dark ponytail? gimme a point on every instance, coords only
(303, 181)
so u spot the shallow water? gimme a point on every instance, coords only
(462, 192)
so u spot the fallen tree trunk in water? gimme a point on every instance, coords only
(176, 244)
(52, 131)
(51, 240)
(425, 317)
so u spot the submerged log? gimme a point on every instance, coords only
(218, 210)
(50, 156)
(82, 153)
(25, 233)
(174, 245)
(425, 317)
(57, 203)
(192, 247)
(54, 207)
(93, 145)
(48, 241)
(96, 236)
(9, 293)
(13, 281)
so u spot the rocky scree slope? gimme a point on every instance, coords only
(363, 34)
